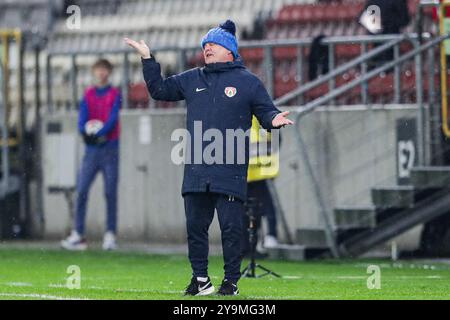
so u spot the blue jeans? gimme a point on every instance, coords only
(103, 159)
(199, 207)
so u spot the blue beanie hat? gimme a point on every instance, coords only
(224, 35)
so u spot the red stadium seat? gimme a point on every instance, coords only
(329, 12)
(252, 54)
(283, 87)
(318, 15)
(283, 53)
(138, 96)
(307, 14)
(347, 50)
(381, 84)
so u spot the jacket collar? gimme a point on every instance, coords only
(224, 66)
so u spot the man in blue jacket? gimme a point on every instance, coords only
(221, 96)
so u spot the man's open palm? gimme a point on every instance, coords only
(141, 47)
(280, 120)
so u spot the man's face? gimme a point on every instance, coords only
(101, 74)
(216, 53)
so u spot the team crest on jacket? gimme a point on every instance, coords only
(230, 91)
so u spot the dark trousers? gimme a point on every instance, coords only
(264, 207)
(105, 160)
(199, 207)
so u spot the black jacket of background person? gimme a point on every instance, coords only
(204, 92)
(394, 14)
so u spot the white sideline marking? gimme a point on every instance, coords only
(18, 284)
(273, 297)
(420, 277)
(54, 285)
(40, 296)
(291, 277)
(148, 291)
(399, 277)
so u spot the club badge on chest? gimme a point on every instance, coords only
(230, 91)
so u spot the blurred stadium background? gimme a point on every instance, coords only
(366, 171)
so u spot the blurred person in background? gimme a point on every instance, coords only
(222, 95)
(99, 125)
(263, 166)
(391, 18)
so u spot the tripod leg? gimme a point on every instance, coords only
(245, 272)
(267, 271)
(249, 271)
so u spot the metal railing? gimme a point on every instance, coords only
(313, 105)
(268, 61)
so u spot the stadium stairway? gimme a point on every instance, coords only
(394, 210)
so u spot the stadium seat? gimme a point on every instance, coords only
(252, 54)
(138, 96)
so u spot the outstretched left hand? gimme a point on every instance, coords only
(280, 120)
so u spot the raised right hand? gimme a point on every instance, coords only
(140, 47)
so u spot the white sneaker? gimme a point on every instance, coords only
(270, 242)
(260, 247)
(74, 242)
(109, 241)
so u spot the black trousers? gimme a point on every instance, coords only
(199, 208)
(264, 207)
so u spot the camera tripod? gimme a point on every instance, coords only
(250, 270)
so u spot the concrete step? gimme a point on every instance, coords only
(294, 252)
(393, 197)
(315, 238)
(311, 237)
(343, 233)
(355, 217)
(430, 177)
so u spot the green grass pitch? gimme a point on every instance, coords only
(42, 274)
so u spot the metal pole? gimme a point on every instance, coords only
(49, 84)
(125, 81)
(300, 70)
(396, 76)
(73, 78)
(332, 81)
(364, 85)
(268, 66)
(436, 155)
(420, 114)
(73, 81)
(25, 176)
(181, 60)
(38, 145)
